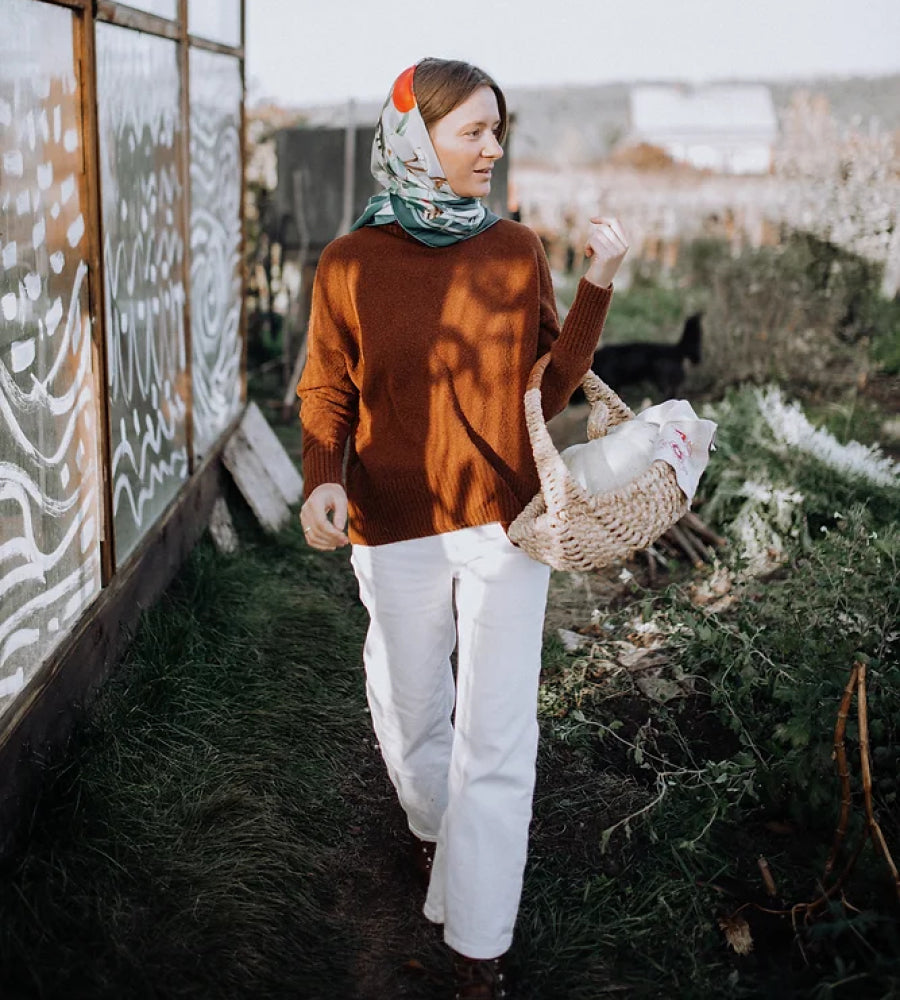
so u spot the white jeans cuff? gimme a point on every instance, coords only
(493, 949)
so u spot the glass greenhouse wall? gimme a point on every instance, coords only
(121, 348)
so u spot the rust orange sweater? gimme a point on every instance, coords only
(418, 357)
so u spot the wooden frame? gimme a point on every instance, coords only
(243, 244)
(86, 60)
(38, 721)
(184, 68)
(197, 42)
(152, 24)
(127, 17)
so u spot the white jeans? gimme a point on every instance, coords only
(466, 784)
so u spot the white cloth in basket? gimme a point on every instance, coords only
(669, 431)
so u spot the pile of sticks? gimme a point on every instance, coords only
(733, 924)
(871, 830)
(689, 537)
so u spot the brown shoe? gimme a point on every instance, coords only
(480, 978)
(422, 857)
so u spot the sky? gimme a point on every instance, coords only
(306, 52)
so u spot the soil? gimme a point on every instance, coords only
(377, 902)
(378, 899)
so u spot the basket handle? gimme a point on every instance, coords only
(551, 469)
(607, 410)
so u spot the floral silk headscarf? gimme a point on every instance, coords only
(416, 193)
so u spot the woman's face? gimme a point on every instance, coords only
(465, 141)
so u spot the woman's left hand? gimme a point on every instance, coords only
(606, 246)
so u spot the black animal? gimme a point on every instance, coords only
(621, 365)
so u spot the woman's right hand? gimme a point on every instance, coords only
(322, 532)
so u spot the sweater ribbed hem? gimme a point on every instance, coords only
(405, 506)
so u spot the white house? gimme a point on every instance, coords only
(730, 128)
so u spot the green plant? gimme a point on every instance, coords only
(675, 795)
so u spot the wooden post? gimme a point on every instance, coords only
(86, 62)
(243, 241)
(184, 66)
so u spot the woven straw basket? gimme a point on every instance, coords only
(571, 529)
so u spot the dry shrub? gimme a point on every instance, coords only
(642, 156)
(803, 314)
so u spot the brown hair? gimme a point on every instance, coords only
(440, 85)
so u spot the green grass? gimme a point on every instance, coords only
(181, 849)
(221, 827)
(745, 770)
(192, 842)
(740, 768)
(644, 311)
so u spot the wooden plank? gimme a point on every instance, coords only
(244, 263)
(289, 403)
(270, 451)
(210, 46)
(221, 528)
(127, 17)
(252, 479)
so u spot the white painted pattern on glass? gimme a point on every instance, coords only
(216, 94)
(140, 142)
(49, 481)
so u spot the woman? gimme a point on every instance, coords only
(426, 320)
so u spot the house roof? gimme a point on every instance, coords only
(658, 110)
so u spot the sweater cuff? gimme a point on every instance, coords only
(322, 465)
(590, 306)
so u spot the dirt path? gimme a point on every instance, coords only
(377, 900)
(398, 953)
